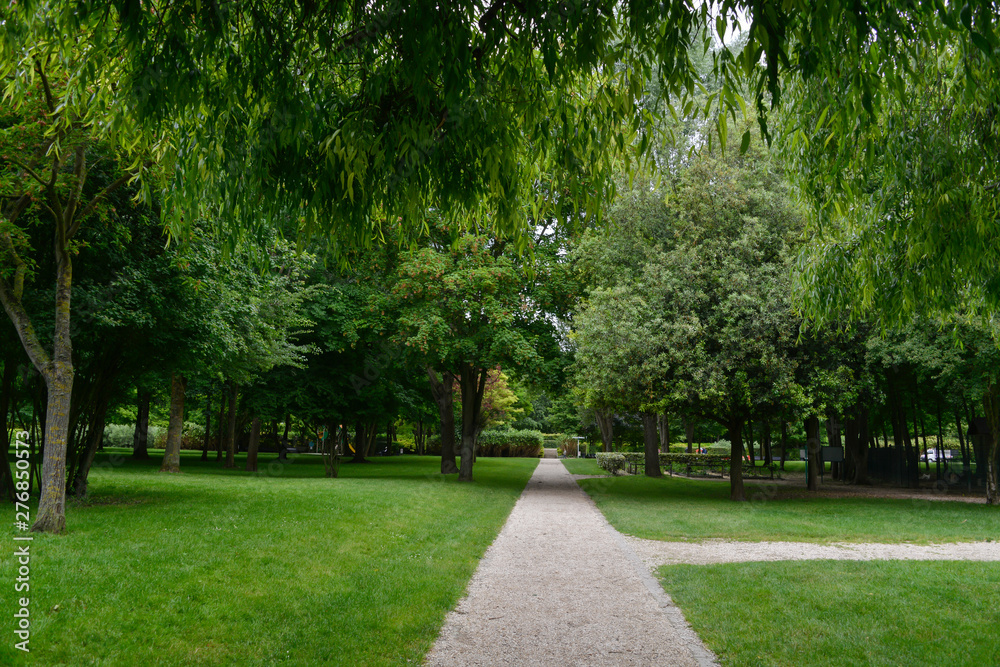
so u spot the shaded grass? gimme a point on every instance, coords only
(217, 566)
(677, 509)
(843, 612)
(583, 467)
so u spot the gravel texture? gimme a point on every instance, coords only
(560, 586)
(655, 553)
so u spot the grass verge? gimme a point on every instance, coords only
(583, 467)
(679, 509)
(283, 567)
(842, 612)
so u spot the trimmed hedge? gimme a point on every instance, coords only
(617, 463)
(510, 443)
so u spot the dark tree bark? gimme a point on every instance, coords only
(606, 425)
(734, 427)
(231, 430)
(749, 442)
(813, 452)
(651, 444)
(766, 442)
(443, 390)
(140, 439)
(208, 422)
(175, 427)
(95, 433)
(361, 439)
(991, 406)
(253, 445)
(220, 437)
(688, 433)
(663, 427)
(473, 386)
(6, 395)
(784, 442)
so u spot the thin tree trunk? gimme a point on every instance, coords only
(140, 439)
(6, 402)
(813, 452)
(80, 479)
(749, 442)
(991, 406)
(688, 432)
(361, 440)
(766, 442)
(606, 425)
(735, 428)
(220, 437)
(784, 442)
(443, 390)
(651, 444)
(208, 422)
(231, 430)
(175, 428)
(663, 428)
(254, 444)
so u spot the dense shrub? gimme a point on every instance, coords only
(509, 443)
(617, 462)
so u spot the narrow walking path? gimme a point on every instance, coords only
(655, 553)
(560, 586)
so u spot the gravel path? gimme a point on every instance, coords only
(560, 586)
(655, 553)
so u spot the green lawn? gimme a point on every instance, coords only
(583, 467)
(676, 509)
(843, 612)
(284, 567)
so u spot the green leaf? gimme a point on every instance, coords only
(745, 143)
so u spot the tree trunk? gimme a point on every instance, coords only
(651, 444)
(140, 438)
(361, 440)
(96, 436)
(991, 405)
(784, 442)
(208, 422)
(861, 451)
(6, 391)
(749, 442)
(253, 445)
(606, 425)
(443, 391)
(688, 433)
(473, 385)
(735, 428)
(766, 442)
(175, 428)
(231, 430)
(813, 452)
(663, 427)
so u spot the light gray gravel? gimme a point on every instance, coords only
(655, 553)
(559, 586)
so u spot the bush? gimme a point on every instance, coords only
(509, 443)
(120, 435)
(617, 462)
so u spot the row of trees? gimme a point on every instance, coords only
(690, 312)
(356, 121)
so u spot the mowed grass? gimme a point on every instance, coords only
(682, 509)
(843, 612)
(214, 567)
(583, 467)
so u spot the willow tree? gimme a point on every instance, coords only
(906, 204)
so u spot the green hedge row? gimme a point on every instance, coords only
(510, 443)
(616, 462)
